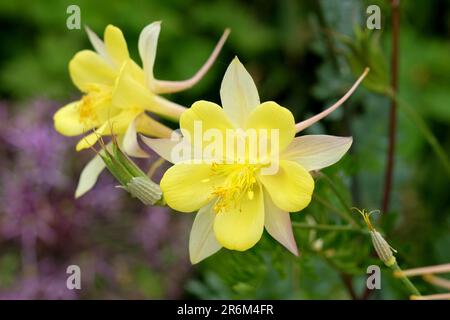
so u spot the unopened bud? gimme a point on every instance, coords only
(145, 190)
(383, 249)
(129, 175)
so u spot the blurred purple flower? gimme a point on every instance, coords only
(26, 212)
(105, 198)
(50, 283)
(152, 229)
(51, 230)
(48, 287)
(39, 150)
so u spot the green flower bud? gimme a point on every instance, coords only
(145, 190)
(383, 249)
(129, 175)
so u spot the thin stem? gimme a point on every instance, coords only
(347, 280)
(309, 122)
(327, 205)
(408, 284)
(442, 268)
(437, 281)
(347, 215)
(421, 125)
(395, 24)
(328, 227)
(162, 86)
(328, 39)
(439, 296)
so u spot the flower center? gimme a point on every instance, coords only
(90, 103)
(239, 182)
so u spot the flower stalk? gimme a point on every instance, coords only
(386, 253)
(395, 23)
(428, 274)
(408, 284)
(327, 227)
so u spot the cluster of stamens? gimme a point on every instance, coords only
(86, 107)
(239, 182)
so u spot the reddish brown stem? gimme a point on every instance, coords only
(348, 282)
(395, 24)
(395, 28)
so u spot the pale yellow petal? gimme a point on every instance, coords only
(204, 117)
(278, 225)
(240, 227)
(116, 45)
(202, 241)
(187, 186)
(117, 124)
(130, 144)
(290, 188)
(67, 120)
(149, 126)
(136, 72)
(176, 149)
(87, 68)
(97, 43)
(238, 93)
(148, 43)
(89, 175)
(274, 119)
(91, 139)
(314, 152)
(128, 92)
(90, 112)
(162, 147)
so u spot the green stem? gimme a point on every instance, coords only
(328, 205)
(408, 284)
(415, 117)
(328, 227)
(347, 215)
(346, 278)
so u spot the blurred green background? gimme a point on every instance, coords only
(302, 54)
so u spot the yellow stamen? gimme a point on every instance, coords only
(87, 108)
(366, 216)
(240, 181)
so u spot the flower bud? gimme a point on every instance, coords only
(145, 190)
(383, 249)
(128, 174)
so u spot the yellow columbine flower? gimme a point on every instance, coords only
(117, 93)
(236, 199)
